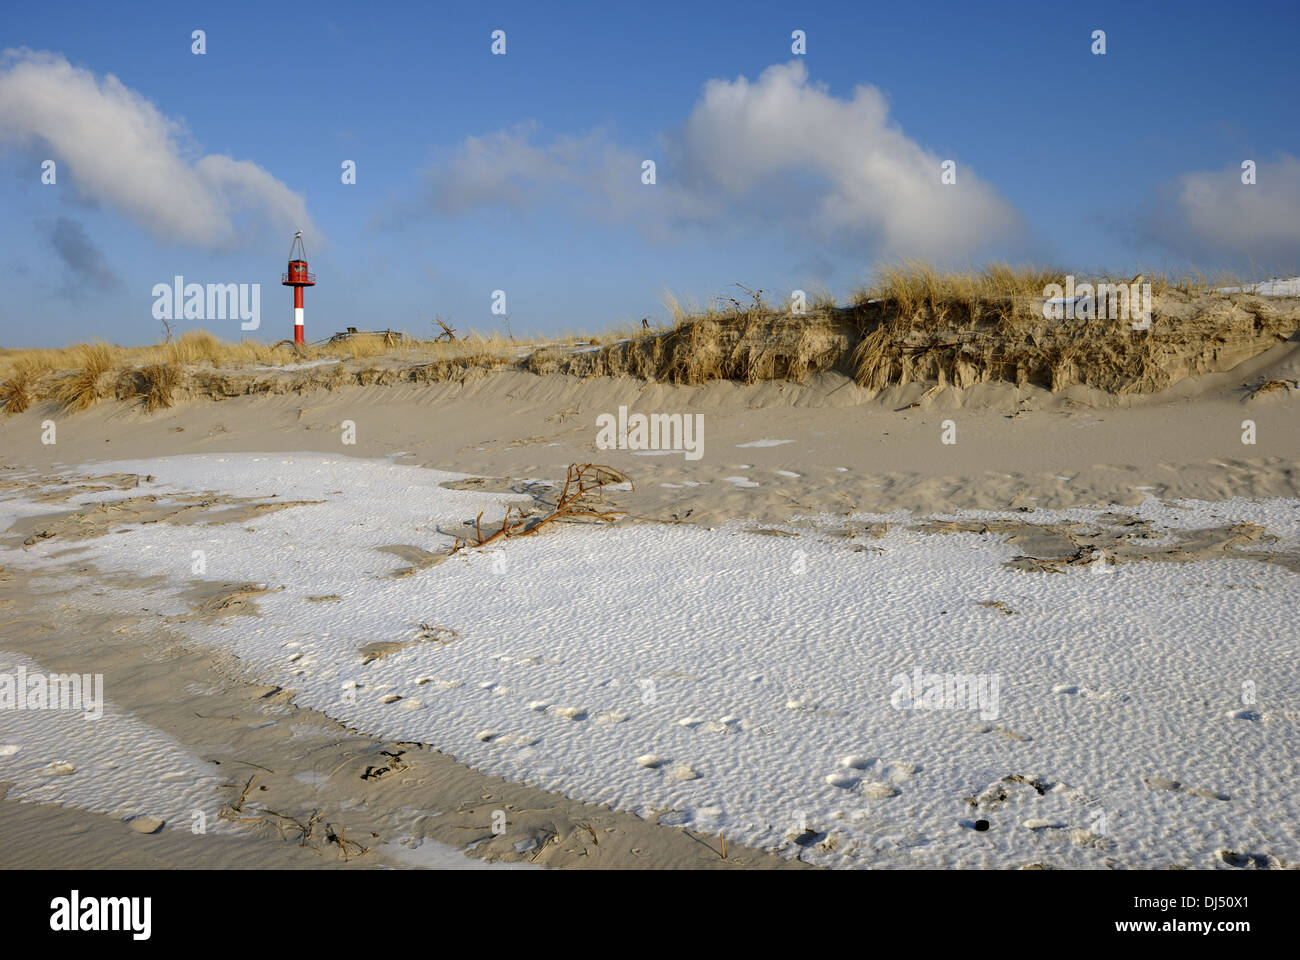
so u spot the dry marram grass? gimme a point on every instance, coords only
(17, 389)
(911, 323)
(83, 388)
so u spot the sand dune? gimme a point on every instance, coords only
(1122, 563)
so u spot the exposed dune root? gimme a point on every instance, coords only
(1018, 345)
(749, 347)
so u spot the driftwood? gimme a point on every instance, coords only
(390, 336)
(292, 827)
(583, 480)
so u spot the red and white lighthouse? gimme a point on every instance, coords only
(298, 277)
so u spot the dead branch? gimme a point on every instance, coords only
(448, 331)
(283, 822)
(584, 481)
(1268, 386)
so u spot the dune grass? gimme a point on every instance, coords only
(910, 321)
(968, 327)
(84, 386)
(17, 390)
(917, 289)
(155, 385)
(914, 322)
(76, 378)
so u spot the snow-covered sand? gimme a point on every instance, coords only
(1276, 287)
(760, 686)
(96, 761)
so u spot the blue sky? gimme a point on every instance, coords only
(522, 172)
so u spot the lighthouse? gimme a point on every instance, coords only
(298, 277)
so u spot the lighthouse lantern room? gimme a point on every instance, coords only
(298, 277)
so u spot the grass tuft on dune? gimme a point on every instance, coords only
(910, 323)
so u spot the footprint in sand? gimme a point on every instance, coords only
(878, 791)
(895, 770)
(727, 724)
(806, 705)
(1085, 693)
(439, 684)
(806, 838)
(674, 818)
(1162, 783)
(1001, 790)
(872, 790)
(1036, 824)
(505, 739)
(1086, 838)
(1249, 861)
(1175, 786)
(1009, 734)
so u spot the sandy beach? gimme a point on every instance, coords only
(342, 687)
(832, 438)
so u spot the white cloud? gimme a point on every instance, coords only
(1212, 216)
(779, 151)
(745, 140)
(114, 146)
(499, 169)
(507, 169)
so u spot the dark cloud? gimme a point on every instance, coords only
(88, 270)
